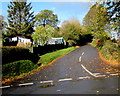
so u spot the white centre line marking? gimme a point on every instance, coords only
(50, 81)
(80, 59)
(82, 53)
(4, 86)
(65, 79)
(25, 84)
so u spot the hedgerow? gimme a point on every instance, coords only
(14, 53)
(16, 68)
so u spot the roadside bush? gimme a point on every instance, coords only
(110, 50)
(98, 43)
(13, 53)
(24, 45)
(71, 42)
(16, 68)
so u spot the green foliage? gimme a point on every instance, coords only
(99, 43)
(3, 24)
(20, 19)
(49, 57)
(114, 14)
(24, 45)
(57, 32)
(13, 53)
(110, 51)
(46, 17)
(43, 34)
(17, 68)
(71, 30)
(96, 21)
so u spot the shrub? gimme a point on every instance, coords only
(110, 50)
(71, 42)
(16, 68)
(13, 53)
(98, 43)
(24, 45)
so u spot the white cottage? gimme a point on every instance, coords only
(21, 39)
(54, 41)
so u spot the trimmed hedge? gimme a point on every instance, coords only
(13, 53)
(18, 67)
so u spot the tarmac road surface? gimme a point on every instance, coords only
(79, 72)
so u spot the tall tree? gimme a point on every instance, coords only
(114, 14)
(3, 24)
(71, 30)
(20, 18)
(46, 17)
(96, 20)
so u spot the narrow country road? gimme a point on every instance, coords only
(79, 72)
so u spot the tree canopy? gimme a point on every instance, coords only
(20, 18)
(71, 30)
(96, 20)
(3, 24)
(43, 34)
(46, 17)
(114, 14)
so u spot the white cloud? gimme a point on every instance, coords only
(53, 9)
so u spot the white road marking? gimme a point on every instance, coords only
(93, 74)
(88, 71)
(58, 90)
(25, 84)
(100, 76)
(50, 81)
(65, 79)
(83, 77)
(96, 73)
(113, 74)
(82, 53)
(4, 87)
(80, 59)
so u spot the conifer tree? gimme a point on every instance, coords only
(20, 18)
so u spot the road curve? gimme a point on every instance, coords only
(79, 72)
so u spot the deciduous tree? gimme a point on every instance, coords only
(96, 20)
(43, 34)
(71, 30)
(46, 17)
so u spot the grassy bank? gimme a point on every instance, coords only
(49, 57)
(20, 69)
(109, 50)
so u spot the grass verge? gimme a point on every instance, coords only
(49, 57)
